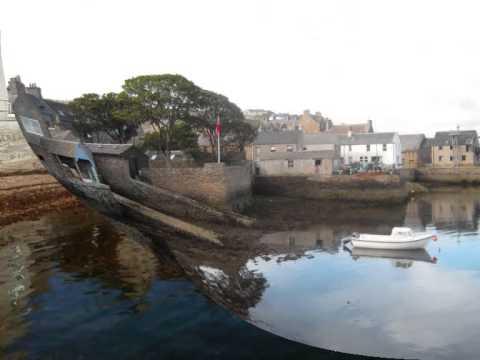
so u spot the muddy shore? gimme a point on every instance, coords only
(28, 192)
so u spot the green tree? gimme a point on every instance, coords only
(209, 106)
(241, 134)
(184, 138)
(110, 113)
(164, 101)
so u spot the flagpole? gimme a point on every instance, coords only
(218, 131)
(218, 147)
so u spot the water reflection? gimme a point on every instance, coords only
(302, 284)
(297, 281)
(37, 256)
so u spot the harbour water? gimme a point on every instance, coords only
(75, 285)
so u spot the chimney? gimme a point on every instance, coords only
(34, 90)
(15, 88)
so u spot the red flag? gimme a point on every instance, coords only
(218, 126)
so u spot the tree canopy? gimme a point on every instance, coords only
(110, 113)
(177, 110)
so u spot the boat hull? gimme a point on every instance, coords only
(407, 244)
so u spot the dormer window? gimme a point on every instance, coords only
(289, 148)
(273, 149)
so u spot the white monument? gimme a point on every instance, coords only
(13, 147)
(3, 91)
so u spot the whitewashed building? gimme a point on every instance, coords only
(381, 148)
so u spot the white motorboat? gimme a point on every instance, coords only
(401, 238)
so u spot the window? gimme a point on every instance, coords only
(31, 125)
(350, 159)
(451, 158)
(368, 147)
(384, 147)
(318, 162)
(289, 148)
(451, 147)
(440, 158)
(467, 148)
(440, 147)
(464, 157)
(349, 147)
(290, 163)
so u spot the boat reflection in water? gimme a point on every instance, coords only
(400, 258)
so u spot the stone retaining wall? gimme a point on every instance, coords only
(13, 146)
(307, 188)
(452, 176)
(216, 184)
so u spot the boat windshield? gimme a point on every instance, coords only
(402, 232)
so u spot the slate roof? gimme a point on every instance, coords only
(411, 142)
(365, 139)
(278, 137)
(299, 155)
(465, 137)
(320, 139)
(343, 129)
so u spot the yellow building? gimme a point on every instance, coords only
(455, 148)
(308, 124)
(415, 150)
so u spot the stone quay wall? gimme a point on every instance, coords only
(387, 190)
(13, 146)
(218, 185)
(449, 176)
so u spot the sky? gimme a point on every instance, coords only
(410, 66)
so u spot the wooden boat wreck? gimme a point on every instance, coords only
(117, 180)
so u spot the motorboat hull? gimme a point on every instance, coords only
(388, 243)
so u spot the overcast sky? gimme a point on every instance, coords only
(410, 66)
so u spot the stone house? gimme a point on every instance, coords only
(369, 148)
(320, 142)
(416, 150)
(275, 141)
(308, 124)
(455, 148)
(297, 163)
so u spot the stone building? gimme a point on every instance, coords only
(297, 163)
(276, 141)
(416, 150)
(320, 142)
(455, 148)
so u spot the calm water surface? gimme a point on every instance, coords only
(421, 304)
(77, 286)
(74, 286)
